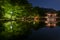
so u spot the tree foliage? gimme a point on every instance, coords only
(13, 9)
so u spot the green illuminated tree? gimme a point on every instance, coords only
(14, 9)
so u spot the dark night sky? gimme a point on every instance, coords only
(55, 4)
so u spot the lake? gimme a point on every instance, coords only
(45, 34)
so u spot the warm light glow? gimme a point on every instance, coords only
(46, 21)
(48, 14)
(54, 14)
(51, 21)
(46, 17)
(36, 18)
(54, 25)
(48, 24)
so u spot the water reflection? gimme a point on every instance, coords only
(45, 34)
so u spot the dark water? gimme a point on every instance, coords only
(41, 34)
(45, 34)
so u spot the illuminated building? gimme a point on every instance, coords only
(51, 19)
